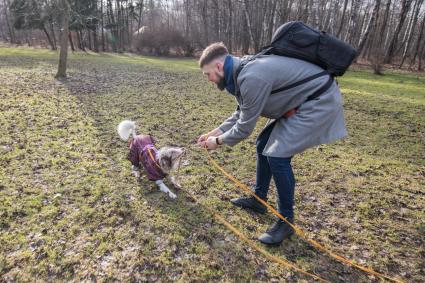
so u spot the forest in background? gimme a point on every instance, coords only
(383, 31)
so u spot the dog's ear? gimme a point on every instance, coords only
(176, 152)
(166, 162)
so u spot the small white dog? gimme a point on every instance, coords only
(158, 164)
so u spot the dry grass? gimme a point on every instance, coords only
(70, 210)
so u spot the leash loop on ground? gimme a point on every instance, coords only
(249, 242)
(241, 236)
(298, 230)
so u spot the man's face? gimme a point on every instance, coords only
(215, 73)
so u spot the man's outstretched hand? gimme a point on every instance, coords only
(208, 140)
(210, 143)
(202, 138)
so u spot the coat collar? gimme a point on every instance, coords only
(231, 80)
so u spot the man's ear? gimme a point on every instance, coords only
(220, 66)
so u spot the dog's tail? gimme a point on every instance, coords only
(126, 128)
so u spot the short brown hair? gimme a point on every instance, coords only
(213, 51)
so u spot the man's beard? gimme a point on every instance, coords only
(221, 85)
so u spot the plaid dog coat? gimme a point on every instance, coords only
(143, 153)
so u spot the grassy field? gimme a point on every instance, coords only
(70, 209)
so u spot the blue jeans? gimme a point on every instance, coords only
(281, 170)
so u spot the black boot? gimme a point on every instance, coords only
(278, 232)
(249, 202)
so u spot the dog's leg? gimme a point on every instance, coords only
(174, 182)
(165, 189)
(135, 171)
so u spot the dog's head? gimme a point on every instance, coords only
(169, 158)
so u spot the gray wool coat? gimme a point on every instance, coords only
(318, 121)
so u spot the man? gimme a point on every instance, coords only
(302, 116)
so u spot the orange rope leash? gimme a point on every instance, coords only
(249, 242)
(298, 230)
(268, 255)
(153, 159)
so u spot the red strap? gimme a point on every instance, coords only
(290, 113)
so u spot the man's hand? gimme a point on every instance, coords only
(203, 138)
(210, 143)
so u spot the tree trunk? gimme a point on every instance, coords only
(418, 43)
(283, 11)
(27, 38)
(52, 29)
(102, 26)
(420, 68)
(371, 23)
(9, 27)
(89, 39)
(80, 40)
(70, 41)
(95, 41)
(271, 22)
(411, 30)
(330, 19)
(63, 40)
(230, 27)
(384, 25)
(139, 19)
(354, 21)
(248, 22)
(127, 28)
(119, 25)
(216, 19)
(204, 9)
(342, 18)
(113, 29)
(245, 37)
(390, 53)
(48, 38)
(188, 17)
(305, 12)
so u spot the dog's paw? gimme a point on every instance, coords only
(136, 174)
(172, 195)
(177, 186)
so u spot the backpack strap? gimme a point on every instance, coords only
(264, 51)
(303, 81)
(316, 94)
(267, 50)
(321, 90)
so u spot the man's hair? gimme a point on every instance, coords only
(212, 52)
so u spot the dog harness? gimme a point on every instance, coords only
(143, 153)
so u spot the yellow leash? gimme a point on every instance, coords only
(297, 229)
(268, 255)
(239, 234)
(153, 159)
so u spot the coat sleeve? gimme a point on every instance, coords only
(254, 92)
(228, 124)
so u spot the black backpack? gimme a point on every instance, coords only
(296, 39)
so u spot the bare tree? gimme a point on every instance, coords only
(410, 31)
(248, 22)
(6, 5)
(64, 6)
(341, 24)
(354, 20)
(417, 50)
(371, 23)
(390, 52)
(380, 29)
